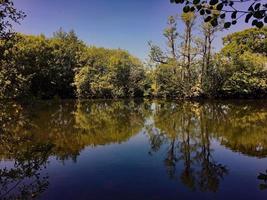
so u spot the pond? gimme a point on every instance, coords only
(133, 149)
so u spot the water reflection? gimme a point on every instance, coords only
(23, 178)
(30, 134)
(183, 129)
(263, 178)
(108, 122)
(183, 133)
(243, 128)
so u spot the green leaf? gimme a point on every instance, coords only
(251, 7)
(227, 25)
(186, 9)
(222, 16)
(233, 16)
(214, 22)
(199, 7)
(258, 15)
(213, 2)
(257, 6)
(192, 9)
(202, 12)
(207, 19)
(219, 6)
(248, 17)
(254, 22)
(234, 22)
(208, 11)
(259, 24)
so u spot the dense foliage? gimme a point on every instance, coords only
(245, 59)
(110, 74)
(228, 11)
(64, 66)
(190, 69)
(36, 66)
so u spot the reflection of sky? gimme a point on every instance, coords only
(135, 167)
(118, 171)
(128, 24)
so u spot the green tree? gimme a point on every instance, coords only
(175, 71)
(171, 34)
(188, 52)
(245, 52)
(250, 40)
(208, 32)
(67, 53)
(168, 81)
(40, 66)
(110, 74)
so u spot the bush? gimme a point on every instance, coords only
(45, 67)
(249, 77)
(171, 81)
(110, 74)
(240, 69)
(168, 82)
(13, 84)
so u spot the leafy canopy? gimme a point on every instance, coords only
(227, 10)
(8, 14)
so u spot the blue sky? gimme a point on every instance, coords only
(126, 24)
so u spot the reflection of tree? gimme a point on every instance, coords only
(244, 127)
(211, 172)
(186, 130)
(23, 179)
(188, 141)
(31, 134)
(70, 127)
(263, 178)
(106, 122)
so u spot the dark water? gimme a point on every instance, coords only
(133, 150)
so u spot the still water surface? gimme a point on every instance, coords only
(133, 150)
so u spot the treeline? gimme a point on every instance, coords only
(39, 66)
(189, 68)
(64, 66)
